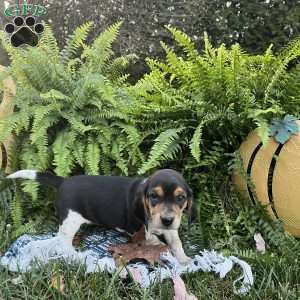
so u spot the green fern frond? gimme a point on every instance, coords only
(92, 157)
(40, 114)
(29, 228)
(133, 135)
(220, 61)
(7, 193)
(289, 53)
(176, 64)
(48, 43)
(14, 53)
(117, 154)
(62, 149)
(78, 151)
(195, 142)
(16, 211)
(14, 123)
(75, 41)
(105, 166)
(184, 41)
(209, 51)
(31, 188)
(77, 124)
(100, 52)
(115, 70)
(165, 147)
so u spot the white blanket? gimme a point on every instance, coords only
(29, 250)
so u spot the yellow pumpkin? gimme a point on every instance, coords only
(274, 170)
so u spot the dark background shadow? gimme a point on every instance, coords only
(254, 24)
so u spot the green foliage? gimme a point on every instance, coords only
(165, 147)
(71, 101)
(11, 210)
(212, 100)
(70, 114)
(7, 191)
(195, 142)
(217, 95)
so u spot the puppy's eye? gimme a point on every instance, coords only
(154, 198)
(181, 198)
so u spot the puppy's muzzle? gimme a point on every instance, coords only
(167, 221)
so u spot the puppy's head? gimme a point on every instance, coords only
(165, 196)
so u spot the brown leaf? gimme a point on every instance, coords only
(58, 283)
(260, 243)
(127, 252)
(180, 290)
(139, 236)
(78, 238)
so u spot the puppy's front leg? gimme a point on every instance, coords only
(174, 242)
(151, 238)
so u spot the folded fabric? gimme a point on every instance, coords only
(28, 251)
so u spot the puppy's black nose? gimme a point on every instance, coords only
(167, 221)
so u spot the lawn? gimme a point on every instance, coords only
(275, 278)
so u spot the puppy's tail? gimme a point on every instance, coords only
(42, 177)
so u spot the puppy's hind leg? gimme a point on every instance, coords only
(70, 226)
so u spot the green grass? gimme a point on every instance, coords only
(226, 226)
(37, 285)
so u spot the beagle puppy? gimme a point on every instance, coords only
(121, 202)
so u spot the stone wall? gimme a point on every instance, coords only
(254, 24)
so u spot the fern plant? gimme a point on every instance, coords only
(70, 108)
(214, 96)
(71, 103)
(195, 109)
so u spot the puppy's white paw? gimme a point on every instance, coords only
(184, 260)
(154, 242)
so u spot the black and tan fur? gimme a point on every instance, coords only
(121, 202)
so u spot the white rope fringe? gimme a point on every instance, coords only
(44, 251)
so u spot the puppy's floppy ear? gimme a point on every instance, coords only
(191, 211)
(136, 215)
(141, 207)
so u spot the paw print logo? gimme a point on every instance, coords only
(24, 31)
